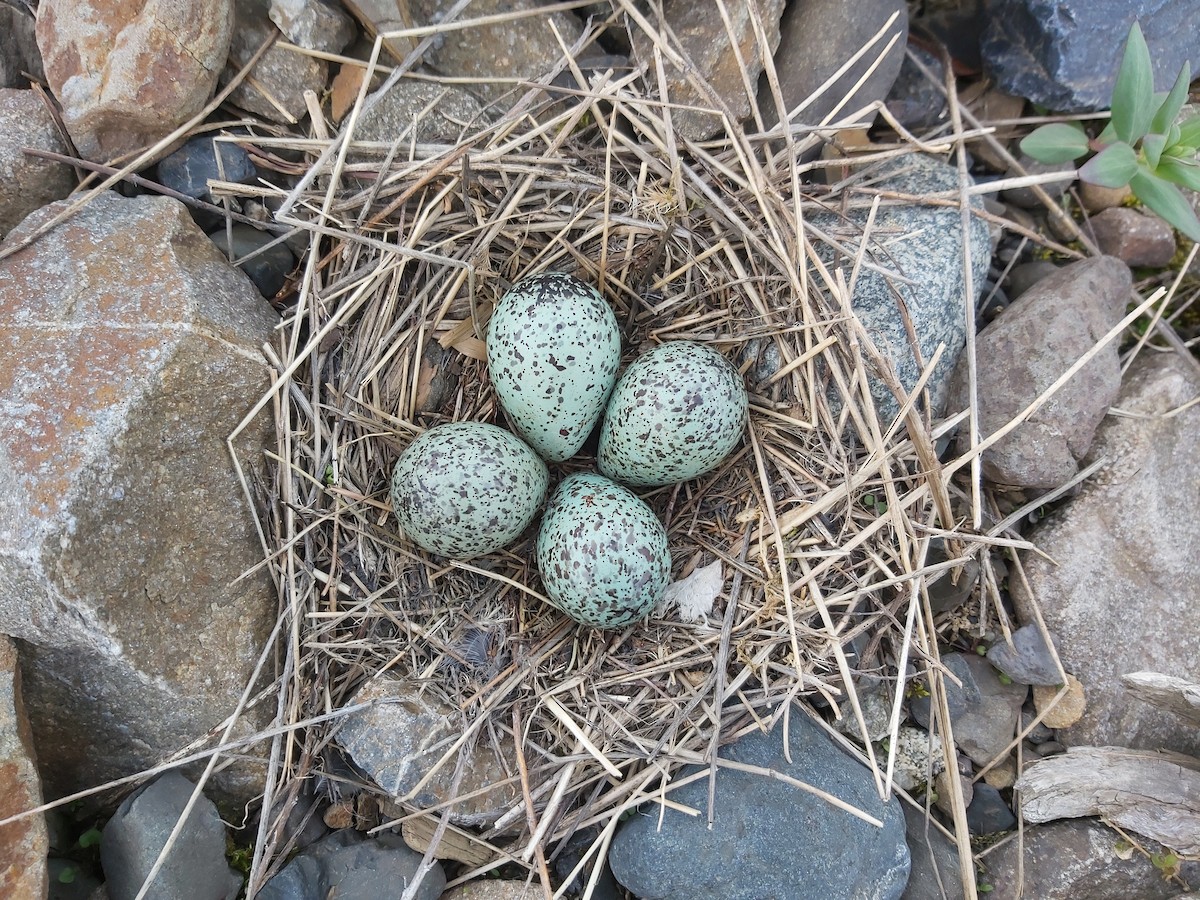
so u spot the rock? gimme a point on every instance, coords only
(350, 867)
(705, 40)
(269, 269)
(919, 757)
(1076, 858)
(1064, 55)
(189, 169)
(1024, 196)
(27, 182)
(381, 17)
(944, 788)
(524, 48)
(1133, 237)
(1002, 775)
(25, 842)
(1041, 732)
(397, 114)
(1068, 710)
(128, 74)
(915, 101)
(1097, 199)
(1152, 793)
(988, 813)
(1176, 695)
(567, 858)
(18, 48)
(935, 871)
(406, 731)
(1028, 659)
(313, 24)
(131, 352)
(133, 838)
(949, 589)
(761, 822)
(983, 712)
(281, 77)
(1119, 597)
(1026, 275)
(1050, 748)
(1063, 316)
(497, 890)
(924, 245)
(816, 39)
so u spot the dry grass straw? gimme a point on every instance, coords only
(822, 520)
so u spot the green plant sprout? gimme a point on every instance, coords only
(1141, 146)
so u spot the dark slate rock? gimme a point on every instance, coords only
(349, 866)
(769, 839)
(935, 872)
(988, 813)
(567, 858)
(1064, 54)
(923, 245)
(189, 169)
(269, 269)
(914, 100)
(137, 832)
(1074, 858)
(983, 712)
(1029, 660)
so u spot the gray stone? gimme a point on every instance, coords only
(267, 268)
(524, 48)
(27, 182)
(924, 245)
(1025, 196)
(393, 115)
(1062, 316)
(283, 75)
(755, 847)
(1133, 237)
(988, 813)
(935, 871)
(1026, 275)
(189, 169)
(1028, 660)
(1077, 858)
(128, 74)
(18, 48)
(25, 842)
(919, 757)
(313, 24)
(817, 38)
(983, 712)
(705, 40)
(195, 866)
(406, 731)
(512, 890)
(350, 867)
(131, 351)
(1064, 54)
(1120, 594)
(917, 102)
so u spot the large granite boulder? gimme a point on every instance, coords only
(130, 352)
(27, 182)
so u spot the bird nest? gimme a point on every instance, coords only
(813, 534)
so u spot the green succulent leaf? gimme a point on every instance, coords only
(1133, 95)
(1170, 107)
(1183, 173)
(1152, 147)
(1168, 201)
(1112, 167)
(1189, 132)
(1108, 135)
(1058, 142)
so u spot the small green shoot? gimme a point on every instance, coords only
(90, 838)
(1141, 146)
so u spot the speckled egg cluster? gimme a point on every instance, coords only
(676, 413)
(553, 350)
(602, 553)
(467, 488)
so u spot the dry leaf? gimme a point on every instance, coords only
(694, 595)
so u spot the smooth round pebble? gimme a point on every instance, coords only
(676, 413)
(602, 553)
(467, 488)
(1068, 710)
(553, 352)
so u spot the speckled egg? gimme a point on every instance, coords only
(602, 552)
(553, 351)
(676, 413)
(467, 488)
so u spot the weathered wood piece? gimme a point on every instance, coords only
(1153, 794)
(1167, 692)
